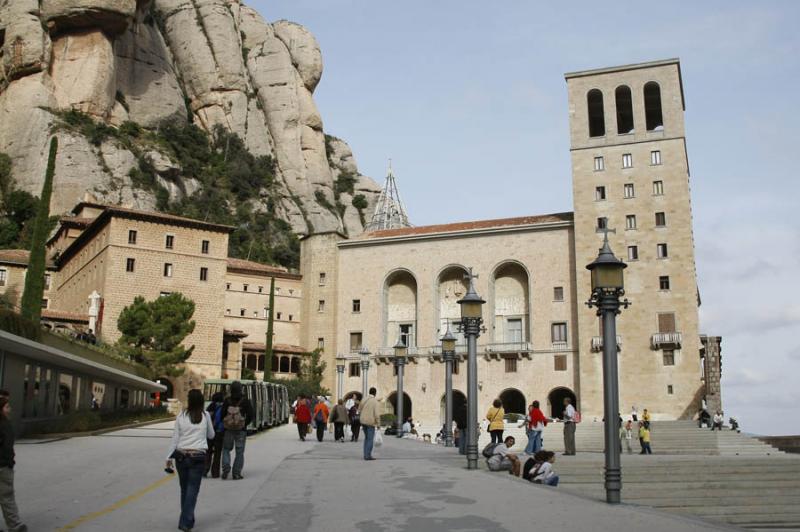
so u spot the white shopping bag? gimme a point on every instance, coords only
(348, 432)
(378, 438)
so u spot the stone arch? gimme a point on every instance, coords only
(284, 364)
(352, 395)
(450, 287)
(407, 404)
(595, 112)
(513, 401)
(555, 400)
(510, 302)
(459, 408)
(624, 103)
(295, 365)
(400, 289)
(653, 115)
(170, 391)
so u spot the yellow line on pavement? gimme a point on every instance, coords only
(117, 505)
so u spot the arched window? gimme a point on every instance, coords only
(275, 363)
(261, 362)
(252, 362)
(295, 365)
(284, 364)
(597, 120)
(652, 107)
(624, 110)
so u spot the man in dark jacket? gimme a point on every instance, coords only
(214, 454)
(237, 414)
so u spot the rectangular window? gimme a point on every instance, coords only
(628, 191)
(627, 160)
(44, 303)
(131, 236)
(242, 312)
(602, 223)
(356, 341)
(255, 313)
(169, 242)
(514, 331)
(47, 280)
(655, 157)
(228, 311)
(321, 305)
(290, 317)
(355, 369)
(661, 251)
(204, 274)
(630, 221)
(277, 315)
(669, 389)
(661, 219)
(167, 269)
(164, 294)
(599, 193)
(599, 164)
(407, 334)
(455, 366)
(204, 245)
(511, 365)
(227, 286)
(663, 282)
(560, 362)
(321, 278)
(666, 322)
(356, 305)
(130, 265)
(260, 289)
(3, 276)
(320, 343)
(245, 287)
(658, 188)
(633, 252)
(558, 333)
(669, 357)
(558, 293)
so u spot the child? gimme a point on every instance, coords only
(543, 472)
(644, 438)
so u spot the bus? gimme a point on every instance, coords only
(269, 400)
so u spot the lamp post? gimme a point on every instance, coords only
(448, 353)
(400, 355)
(607, 288)
(364, 354)
(471, 321)
(340, 365)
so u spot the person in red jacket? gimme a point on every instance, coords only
(302, 416)
(321, 415)
(536, 422)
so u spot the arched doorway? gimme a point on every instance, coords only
(556, 399)
(169, 394)
(513, 401)
(459, 409)
(392, 400)
(352, 395)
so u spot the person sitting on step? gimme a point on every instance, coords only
(503, 459)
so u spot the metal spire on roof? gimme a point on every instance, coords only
(390, 213)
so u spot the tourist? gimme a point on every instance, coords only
(634, 414)
(406, 427)
(339, 417)
(495, 417)
(703, 418)
(646, 418)
(569, 427)
(734, 424)
(370, 416)
(321, 415)
(542, 472)
(302, 416)
(237, 414)
(629, 435)
(193, 429)
(7, 500)
(717, 422)
(644, 438)
(355, 420)
(215, 446)
(503, 459)
(536, 424)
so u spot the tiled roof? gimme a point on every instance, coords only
(235, 332)
(18, 256)
(76, 221)
(277, 348)
(468, 226)
(61, 315)
(161, 217)
(241, 264)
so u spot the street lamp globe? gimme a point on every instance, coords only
(471, 303)
(364, 354)
(400, 349)
(448, 341)
(606, 270)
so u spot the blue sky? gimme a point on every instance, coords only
(462, 93)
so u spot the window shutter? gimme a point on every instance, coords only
(666, 323)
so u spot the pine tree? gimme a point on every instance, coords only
(31, 305)
(270, 320)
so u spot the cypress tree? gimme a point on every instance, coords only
(270, 317)
(31, 305)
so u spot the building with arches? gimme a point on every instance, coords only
(630, 173)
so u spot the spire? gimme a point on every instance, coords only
(390, 213)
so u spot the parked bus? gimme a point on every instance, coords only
(269, 400)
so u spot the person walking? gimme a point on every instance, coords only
(495, 417)
(536, 424)
(369, 413)
(215, 446)
(644, 438)
(629, 435)
(302, 417)
(237, 413)
(355, 420)
(193, 429)
(8, 502)
(569, 427)
(339, 417)
(321, 414)
(634, 414)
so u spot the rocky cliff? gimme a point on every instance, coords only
(214, 63)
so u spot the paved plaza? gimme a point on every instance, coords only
(116, 482)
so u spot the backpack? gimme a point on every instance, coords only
(577, 417)
(320, 417)
(233, 420)
(218, 424)
(488, 451)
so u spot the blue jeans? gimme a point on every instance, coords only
(552, 481)
(233, 438)
(369, 439)
(190, 474)
(534, 442)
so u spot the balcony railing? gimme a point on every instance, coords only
(560, 346)
(389, 351)
(666, 339)
(461, 349)
(597, 343)
(509, 347)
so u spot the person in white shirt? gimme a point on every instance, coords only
(187, 450)
(717, 421)
(543, 470)
(406, 428)
(569, 427)
(503, 459)
(634, 413)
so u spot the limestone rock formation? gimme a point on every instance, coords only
(216, 63)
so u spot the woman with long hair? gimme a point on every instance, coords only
(193, 429)
(7, 501)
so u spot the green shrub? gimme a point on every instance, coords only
(14, 323)
(360, 202)
(388, 420)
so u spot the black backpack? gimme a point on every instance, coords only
(488, 451)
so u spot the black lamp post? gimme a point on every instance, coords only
(400, 356)
(471, 320)
(364, 354)
(607, 288)
(448, 353)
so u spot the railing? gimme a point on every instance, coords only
(597, 343)
(560, 346)
(437, 349)
(509, 347)
(389, 351)
(667, 339)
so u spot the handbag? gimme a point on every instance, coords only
(378, 439)
(177, 456)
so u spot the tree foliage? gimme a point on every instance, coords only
(153, 332)
(309, 381)
(18, 209)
